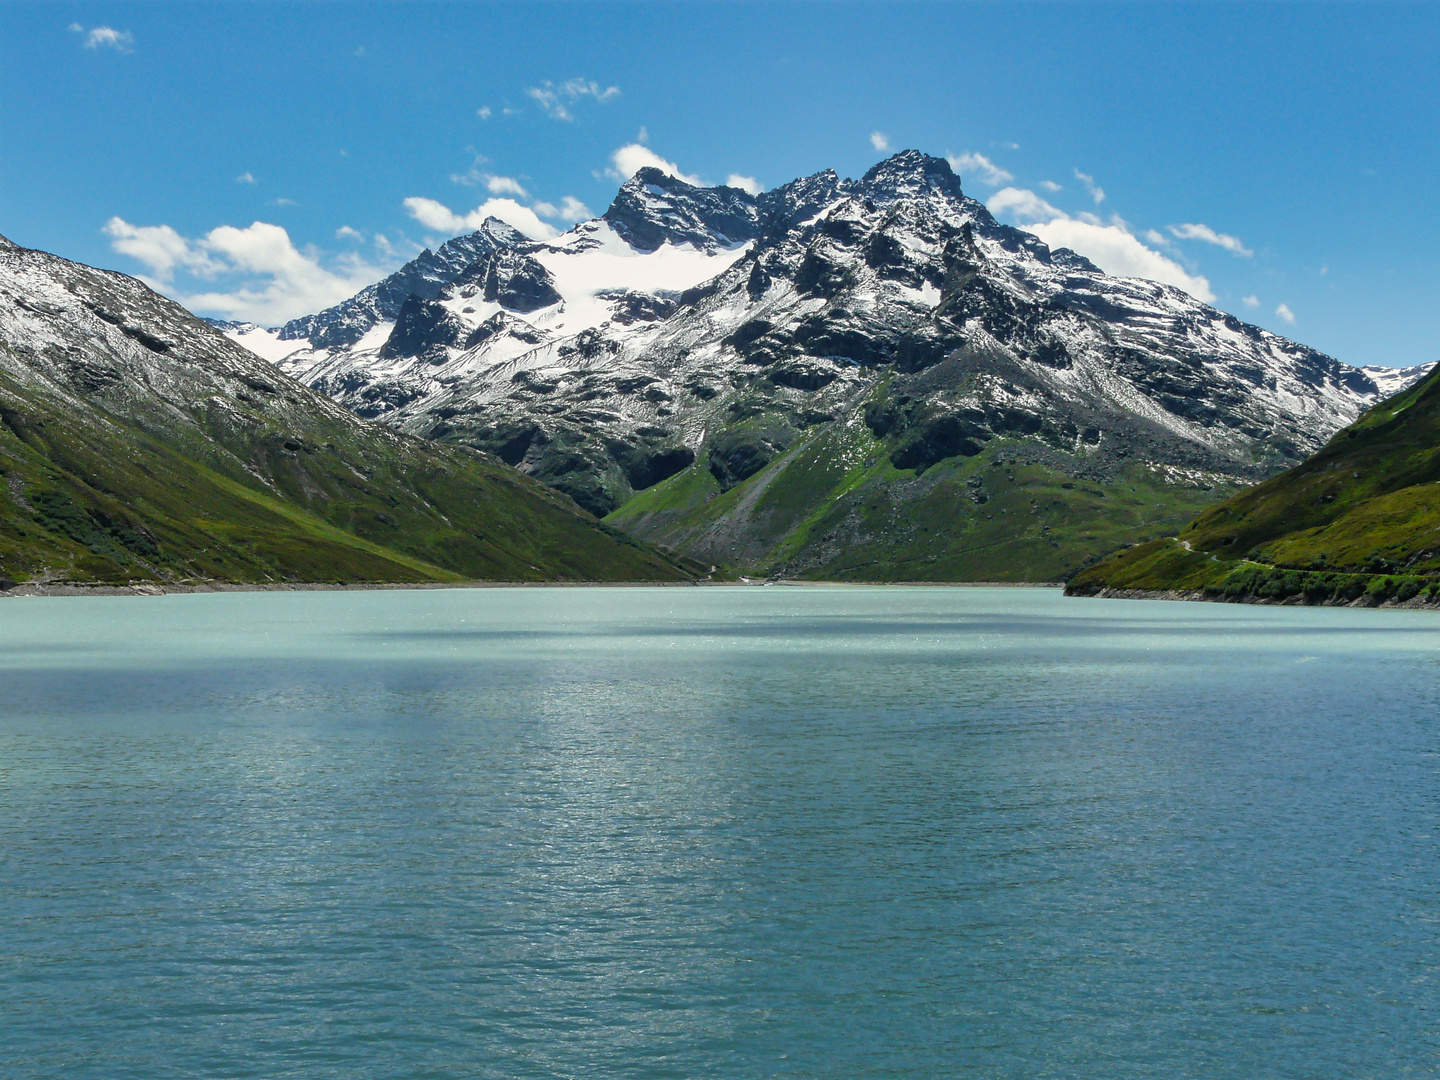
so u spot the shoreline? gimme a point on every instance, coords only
(31, 589)
(1415, 603)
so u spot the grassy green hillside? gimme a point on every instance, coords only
(836, 506)
(138, 445)
(1359, 520)
(105, 502)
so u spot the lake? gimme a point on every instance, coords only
(716, 832)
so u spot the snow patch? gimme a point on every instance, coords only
(265, 343)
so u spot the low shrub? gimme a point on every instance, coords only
(1319, 587)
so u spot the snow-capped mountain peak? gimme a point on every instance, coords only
(910, 174)
(425, 275)
(694, 323)
(654, 208)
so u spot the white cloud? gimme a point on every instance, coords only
(1285, 313)
(643, 135)
(1116, 251)
(276, 280)
(1154, 236)
(345, 232)
(572, 209)
(550, 102)
(633, 157)
(1051, 186)
(504, 185)
(1096, 191)
(473, 176)
(393, 254)
(576, 88)
(441, 218)
(507, 206)
(1023, 204)
(879, 141)
(484, 112)
(981, 166)
(1210, 236)
(1250, 301)
(1111, 246)
(245, 178)
(160, 248)
(744, 183)
(556, 100)
(1011, 145)
(259, 247)
(106, 37)
(282, 201)
(360, 53)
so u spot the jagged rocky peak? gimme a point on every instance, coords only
(512, 279)
(232, 327)
(424, 276)
(788, 205)
(653, 207)
(6, 244)
(908, 175)
(424, 328)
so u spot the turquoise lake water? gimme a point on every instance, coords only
(723, 832)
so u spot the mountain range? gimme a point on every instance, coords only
(866, 379)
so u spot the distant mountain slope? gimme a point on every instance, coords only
(838, 378)
(1357, 522)
(137, 443)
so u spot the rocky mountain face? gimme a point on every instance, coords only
(139, 444)
(840, 378)
(655, 209)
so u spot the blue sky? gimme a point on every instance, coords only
(263, 160)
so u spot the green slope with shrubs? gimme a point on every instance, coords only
(1357, 522)
(836, 505)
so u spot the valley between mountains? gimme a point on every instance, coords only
(837, 379)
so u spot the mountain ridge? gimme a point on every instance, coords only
(140, 445)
